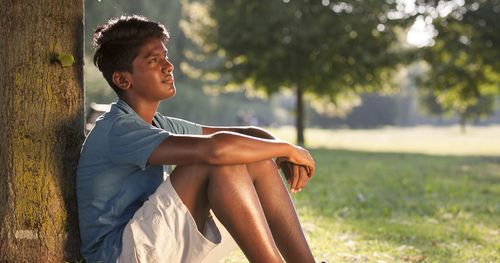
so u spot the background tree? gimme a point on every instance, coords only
(463, 72)
(41, 123)
(322, 47)
(430, 104)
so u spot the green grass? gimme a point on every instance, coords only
(403, 207)
(388, 206)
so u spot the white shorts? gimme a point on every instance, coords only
(163, 230)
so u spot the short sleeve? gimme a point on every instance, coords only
(180, 126)
(132, 141)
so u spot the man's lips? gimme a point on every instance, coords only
(168, 79)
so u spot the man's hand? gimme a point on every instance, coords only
(301, 157)
(296, 175)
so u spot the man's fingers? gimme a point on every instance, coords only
(288, 172)
(311, 171)
(280, 161)
(308, 162)
(304, 178)
(295, 178)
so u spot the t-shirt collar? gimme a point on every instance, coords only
(122, 105)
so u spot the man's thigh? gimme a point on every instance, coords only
(190, 183)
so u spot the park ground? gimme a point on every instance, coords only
(420, 194)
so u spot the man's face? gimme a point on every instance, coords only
(152, 78)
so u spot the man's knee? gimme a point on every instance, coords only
(228, 170)
(265, 164)
(191, 176)
(207, 171)
(263, 168)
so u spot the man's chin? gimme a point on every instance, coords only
(172, 92)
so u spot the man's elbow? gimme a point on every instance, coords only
(215, 150)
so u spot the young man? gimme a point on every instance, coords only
(130, 213)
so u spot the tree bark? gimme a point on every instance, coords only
(41, 127)
(300, 116)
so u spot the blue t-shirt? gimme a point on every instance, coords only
(113, 178)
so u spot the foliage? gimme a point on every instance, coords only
(222, 109)
(195, 31)
(463, 74)
(322, 47)
(326, 49)
(65, 60)
(430, 104)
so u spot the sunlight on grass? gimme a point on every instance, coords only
(383, 203)
(403, 207)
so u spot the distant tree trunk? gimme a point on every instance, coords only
(300, 115)
(41, 127)
(463, 122)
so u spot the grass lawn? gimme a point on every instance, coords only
(435, 201)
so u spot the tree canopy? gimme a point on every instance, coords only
(322, 47)
(463, 73)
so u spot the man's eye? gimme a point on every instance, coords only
(153, 60)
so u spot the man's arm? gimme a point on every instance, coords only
(226, 147)
(296, 175)
(246, 130)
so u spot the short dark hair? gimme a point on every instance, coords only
(117, 43)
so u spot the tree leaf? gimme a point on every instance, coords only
(66, 60)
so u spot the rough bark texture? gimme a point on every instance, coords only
(41, 129)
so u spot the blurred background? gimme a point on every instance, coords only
(356, 64)
(398, 100)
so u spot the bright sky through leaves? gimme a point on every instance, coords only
(422, 32)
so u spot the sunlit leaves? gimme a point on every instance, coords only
(464, 62)
(327, 47)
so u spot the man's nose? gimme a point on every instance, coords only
(167, 65)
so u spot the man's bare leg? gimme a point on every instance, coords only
(230, 192)
(280, 212)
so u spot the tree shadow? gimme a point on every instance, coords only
(67, 152)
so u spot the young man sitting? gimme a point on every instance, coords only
(129, 212)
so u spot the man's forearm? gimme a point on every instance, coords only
(252, 131)
(257, 147)
(225, 148)
(255, 132)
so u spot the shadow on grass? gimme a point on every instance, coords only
(445, 207)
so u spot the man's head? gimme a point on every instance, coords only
(118, 42)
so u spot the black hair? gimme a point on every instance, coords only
(117, 43)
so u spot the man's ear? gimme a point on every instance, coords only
(121, 79)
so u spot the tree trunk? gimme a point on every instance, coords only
(41, 127)
(300, 115)
(463, 122)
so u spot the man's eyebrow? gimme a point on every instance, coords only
(156, 52)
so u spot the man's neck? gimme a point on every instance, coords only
(145, 109)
